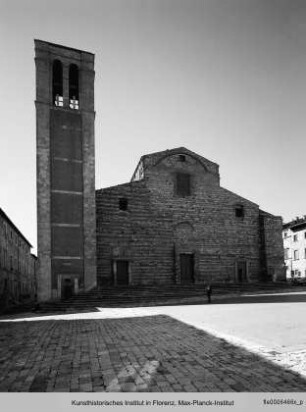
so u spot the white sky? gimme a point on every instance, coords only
(224, 78)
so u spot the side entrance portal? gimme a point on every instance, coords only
(242, 272)
(67, 285)
(187, 268)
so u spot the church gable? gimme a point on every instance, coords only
(177, 173)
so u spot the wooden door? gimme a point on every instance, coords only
(122, 277)
(67, 288)
(187, 268)
(241, 272)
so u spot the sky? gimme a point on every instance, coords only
(223, 78)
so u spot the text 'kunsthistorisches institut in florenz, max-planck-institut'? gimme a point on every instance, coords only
(171, 224)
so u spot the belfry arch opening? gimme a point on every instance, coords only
(74, 87)
(57, 83)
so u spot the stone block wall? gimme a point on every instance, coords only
(159, 226)
(136, 235)
(271, 230)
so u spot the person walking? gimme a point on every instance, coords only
(208, 293)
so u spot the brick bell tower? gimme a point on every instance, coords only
(65, 170)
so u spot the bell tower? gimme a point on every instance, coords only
(65, 170)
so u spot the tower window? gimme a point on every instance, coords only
(57, 83)
(239, 211)
(123, 203)
(183, 184)
(73, 87)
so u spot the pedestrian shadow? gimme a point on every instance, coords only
(135, 354)
(260, 298)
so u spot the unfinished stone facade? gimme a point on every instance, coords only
(174, 224)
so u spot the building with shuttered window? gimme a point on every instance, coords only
(17, 265)
(294, 238)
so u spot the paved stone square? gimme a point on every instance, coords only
(140, 350)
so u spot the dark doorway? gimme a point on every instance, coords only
(67, 288)
(122, 277)
(187, 268)
(242, 272)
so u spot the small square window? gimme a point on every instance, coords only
(123, 203)
(182, 158)
(239, 211)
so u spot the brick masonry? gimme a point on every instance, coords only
(65, 174)
(154, 353)
(159, 226)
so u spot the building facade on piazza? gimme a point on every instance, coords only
(294, 238)
(174, 224)
(17, 265)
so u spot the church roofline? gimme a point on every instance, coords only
(159, 156)
(176, 150)
(126, 184)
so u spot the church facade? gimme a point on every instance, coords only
(174, 224)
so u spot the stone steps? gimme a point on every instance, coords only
(158, 295)
(133, 296)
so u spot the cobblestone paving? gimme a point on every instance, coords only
(150, 354)
(294, 361)
(291, 360)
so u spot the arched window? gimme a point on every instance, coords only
(57, 83)
(73, 87)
